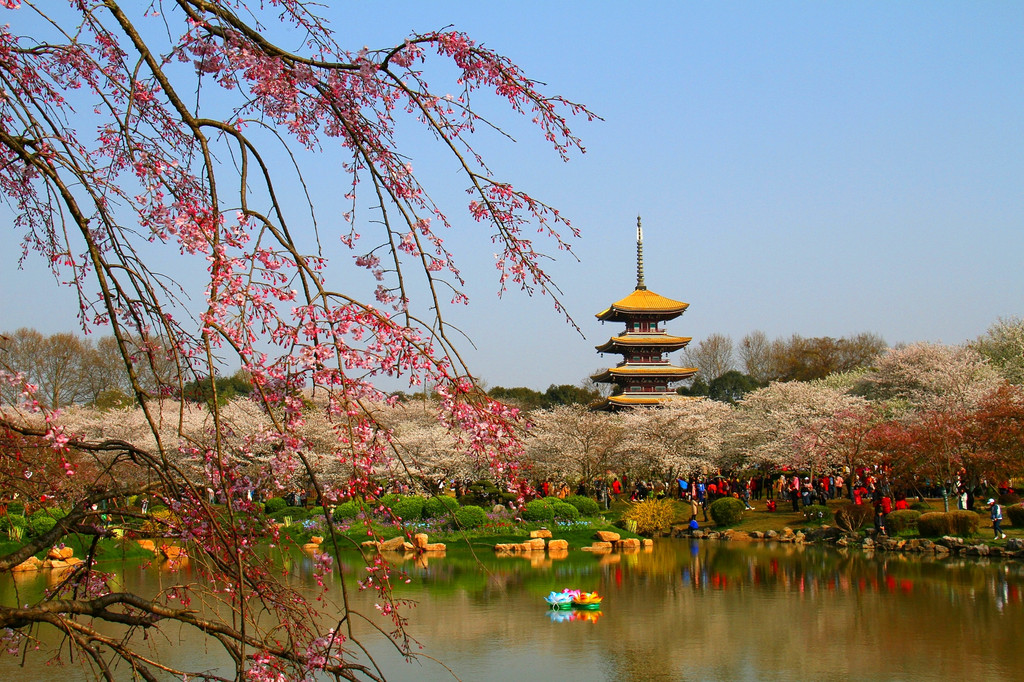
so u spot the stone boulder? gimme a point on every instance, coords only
(646, 542)
(771, 534)
(148, 545)
(420, 541)
(542, 533)
(823, 534)
(393, 545)
(599, 546)
(170, 551)
(606, 536)
(29, 564)
(316, 540)
(535, 543)
(627, 544)
(436, 547)
(558, 545)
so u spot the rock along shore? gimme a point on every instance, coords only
(831, 535)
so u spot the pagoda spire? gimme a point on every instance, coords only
(640, 256)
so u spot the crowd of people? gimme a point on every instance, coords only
(800, 491)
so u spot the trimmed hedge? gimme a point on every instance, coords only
(347, 510)
(726, 511)
(439, 507)
(538, 510)
(274, 505)
(388, 500)
(1008, 499)
(585, 505)
(1015, 513)
(565, 511)
(42, 521)
(852, 517)
(296, 514)
(960, 522)
(470, 516)
(409, 508)
(901, 520)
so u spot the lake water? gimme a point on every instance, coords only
(685, 611)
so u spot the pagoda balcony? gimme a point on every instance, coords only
(646, 363)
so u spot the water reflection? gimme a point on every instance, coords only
(573, 616)
(686, 610)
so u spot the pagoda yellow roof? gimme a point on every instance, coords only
(670, 372)
(634, 371)
(644, 301)
(611, 402)
(646, 340)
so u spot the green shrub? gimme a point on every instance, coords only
(552, 500)
(388, 500)
(585, 505)
(409, 508)
(817, 515)
(470, 516)
(274, 505)
(921, 507)
(296, 514)
(538, 510)
(565, 512)
(852, 517)
(439, 507)
(1015, 514)
(347, 510)
(652, 516)
(42, 521)
(961, 523)
(726, 511)
(901, 520)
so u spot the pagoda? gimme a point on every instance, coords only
(645, 375)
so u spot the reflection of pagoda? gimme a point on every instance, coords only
(644, 375)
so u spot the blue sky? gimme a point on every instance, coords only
(810, 168)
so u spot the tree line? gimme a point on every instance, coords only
(71, 370)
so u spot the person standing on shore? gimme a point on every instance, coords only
(997, 518)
